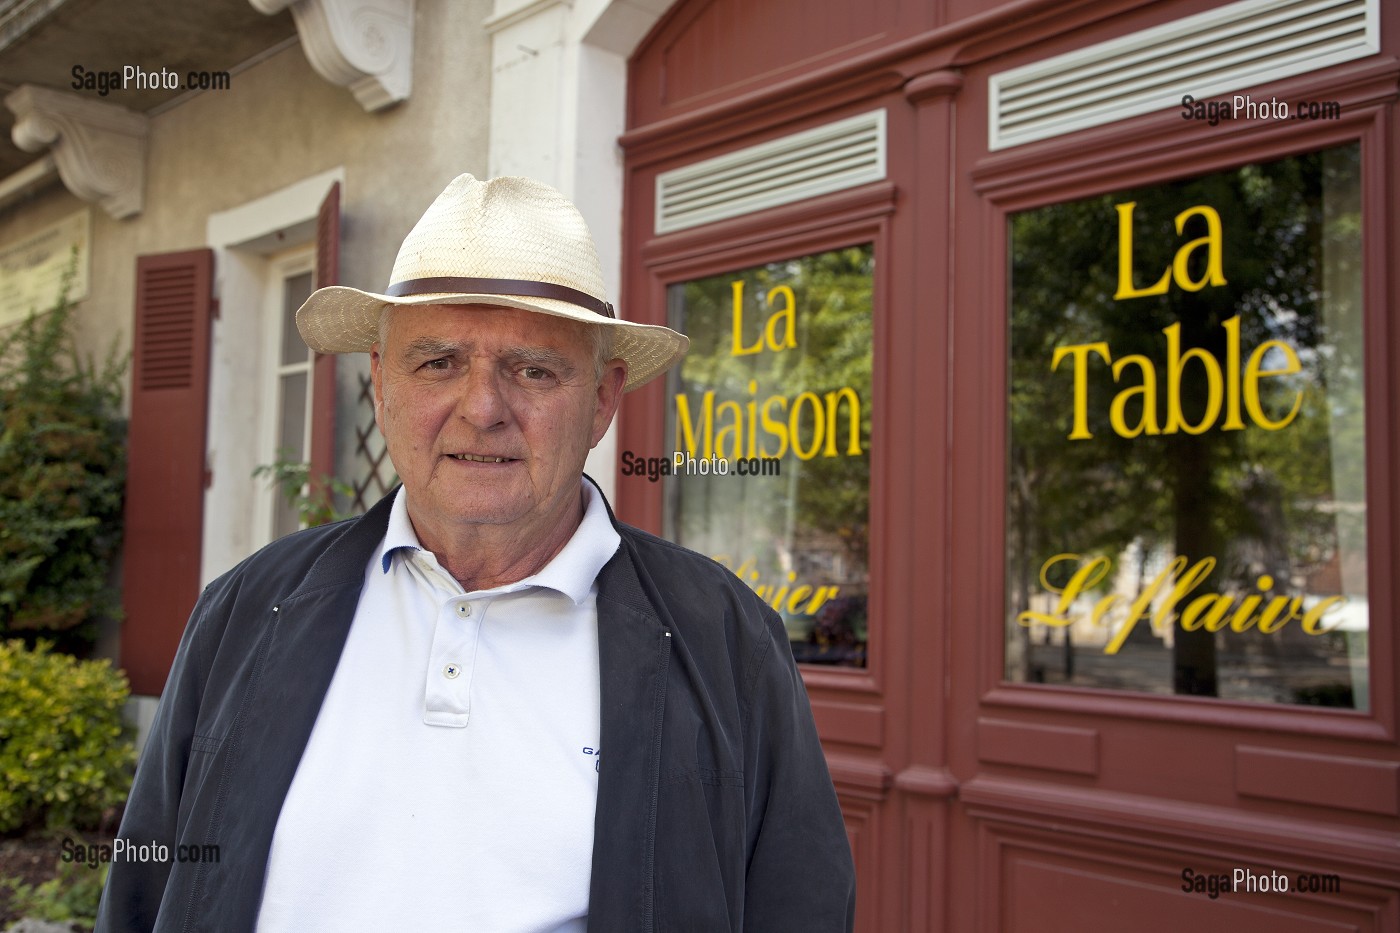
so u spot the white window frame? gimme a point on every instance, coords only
(282, 266)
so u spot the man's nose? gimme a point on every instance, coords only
(482, 401)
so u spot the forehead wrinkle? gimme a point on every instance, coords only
(433, 346)
(543, 356)
(538, 356)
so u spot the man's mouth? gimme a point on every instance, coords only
(479, 459)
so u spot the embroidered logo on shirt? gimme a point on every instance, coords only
(595, 753)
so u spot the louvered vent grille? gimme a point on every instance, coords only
(1213, 53)
(168, 311)
(830, 158)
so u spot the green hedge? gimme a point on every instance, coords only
(65, 757)
(62, 472)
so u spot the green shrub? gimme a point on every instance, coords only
(314, 501)
(65, 756)
(62, 473)
(71, 896)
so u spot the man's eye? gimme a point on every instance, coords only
(534, 373)
(437, 364)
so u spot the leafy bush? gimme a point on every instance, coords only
(64, 754)
(62, 472)
(313, 498)
(71, 896)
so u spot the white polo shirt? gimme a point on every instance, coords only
(451, 777)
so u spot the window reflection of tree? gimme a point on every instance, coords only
(813, 519)
(1260, 501)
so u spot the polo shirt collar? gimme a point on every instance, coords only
(573, 571)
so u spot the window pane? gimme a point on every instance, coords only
(1186, 503)
(770, 417)
(295, 290)
(291, 444)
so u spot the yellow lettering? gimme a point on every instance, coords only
(1313, 617)
(732, 430)
(1254, 371)
(1103, 607)
(1185, 583)
(1125, 259)
(1267, 623)
(787, 314)
(1080, 354)
(1215, 274)
(685, 429)
(776, 427)
(1147, 422)
(1089, 575)
(777, 601)
(1141, 605)
(1211, 612)
(853, 409)
(1232, 376)
(1214, 605)
(818, 423)
(737, 347)
(823, 594)
(752, 420)
(1241, 621)
(1176, 362)
(795, 600)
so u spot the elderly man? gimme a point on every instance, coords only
(485, 705)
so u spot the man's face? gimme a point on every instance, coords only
(488, 414)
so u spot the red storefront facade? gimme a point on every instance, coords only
(1006, 762)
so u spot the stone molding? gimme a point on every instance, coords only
(99, 148)
(364, 45)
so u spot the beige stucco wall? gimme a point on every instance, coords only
(280, 122)
(97, 326)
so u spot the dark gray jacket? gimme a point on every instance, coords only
(715, 809)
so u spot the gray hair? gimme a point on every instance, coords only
(599, 336)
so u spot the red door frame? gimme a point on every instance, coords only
(959, 786)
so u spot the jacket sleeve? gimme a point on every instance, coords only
(135, 889)
(800, 872)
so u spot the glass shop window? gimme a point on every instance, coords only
(290, 420)
(769, 420)
(1186, 501)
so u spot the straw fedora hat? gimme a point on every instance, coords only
(510, 242)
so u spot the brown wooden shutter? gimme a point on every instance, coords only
(323, 380)
(166, 467)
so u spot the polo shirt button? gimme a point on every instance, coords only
(464, 609)
(450, 671)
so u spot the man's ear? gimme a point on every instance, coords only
(376, 375)
(609, 398)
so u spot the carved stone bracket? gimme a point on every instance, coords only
(99, 148)
(365, 45)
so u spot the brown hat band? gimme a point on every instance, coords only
(521, 288)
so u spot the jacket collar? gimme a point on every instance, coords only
(343, 561)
